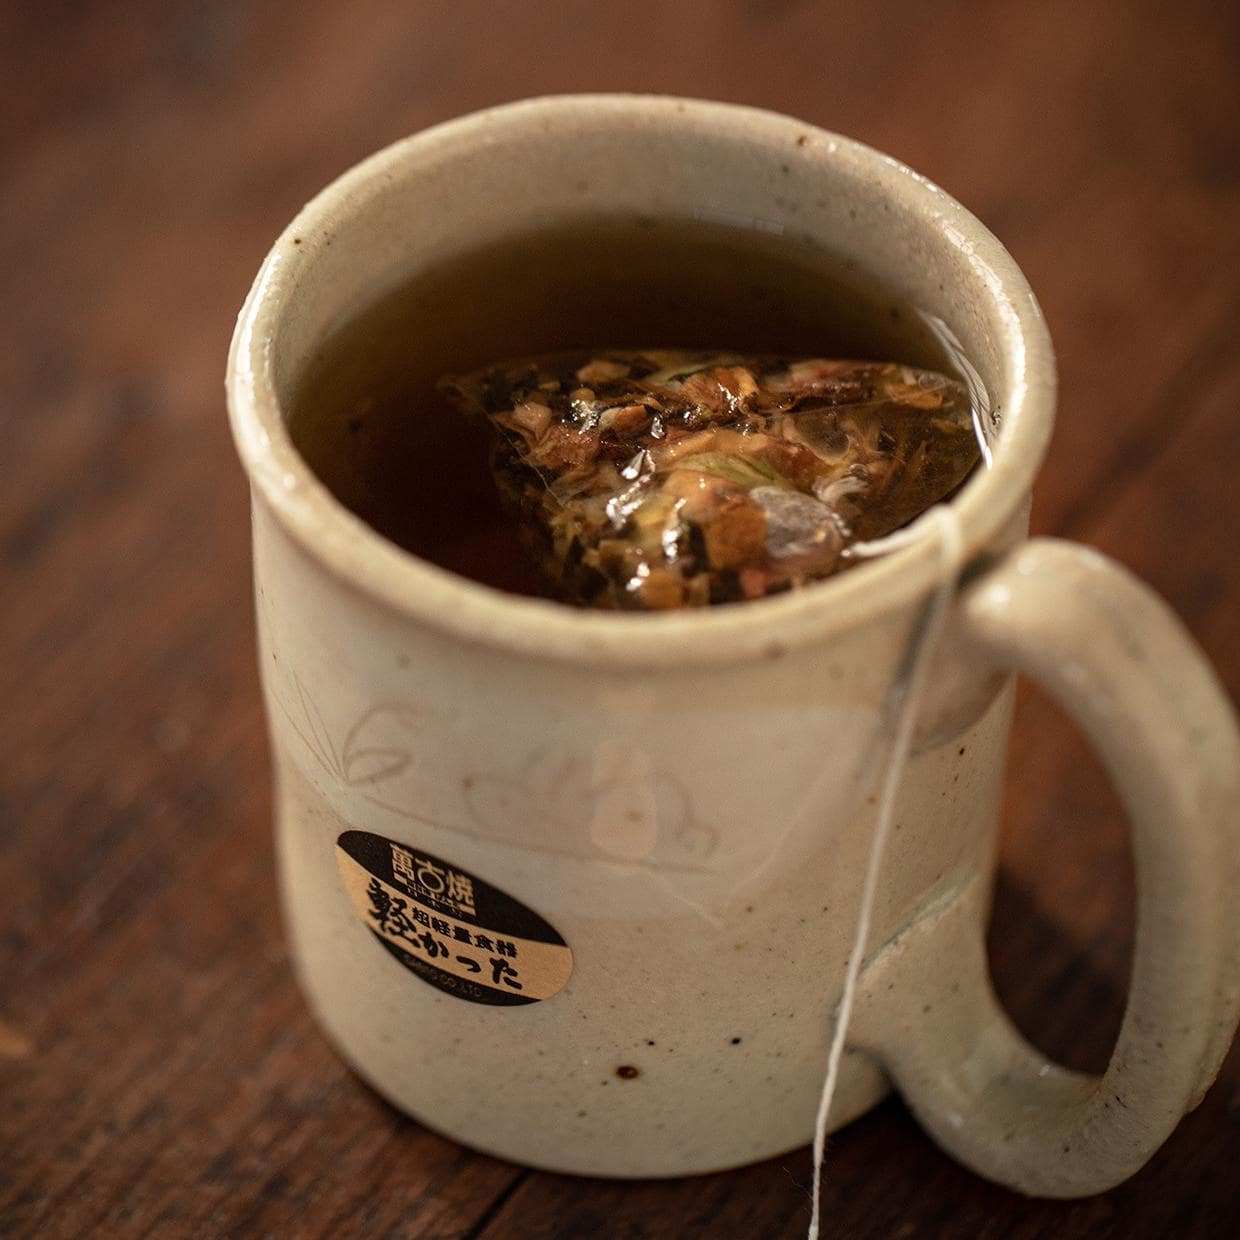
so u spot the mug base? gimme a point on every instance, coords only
(642, 1162)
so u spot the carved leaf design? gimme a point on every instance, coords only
(369, 766)
(371, 752)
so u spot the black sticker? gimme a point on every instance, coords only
(448, 926)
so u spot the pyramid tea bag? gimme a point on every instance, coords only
(653, 480)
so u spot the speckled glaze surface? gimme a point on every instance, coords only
(686, 800)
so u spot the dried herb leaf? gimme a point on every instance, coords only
(748, 471)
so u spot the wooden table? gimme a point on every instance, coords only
(159, 1074)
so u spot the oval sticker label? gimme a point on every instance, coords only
(448, 926)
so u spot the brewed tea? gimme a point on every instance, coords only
(370, 418)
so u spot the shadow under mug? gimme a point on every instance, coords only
(579, 889)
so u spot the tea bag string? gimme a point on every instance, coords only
(951, 554)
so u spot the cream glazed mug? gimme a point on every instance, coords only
(578, 889)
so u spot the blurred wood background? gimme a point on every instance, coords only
(159, 1074)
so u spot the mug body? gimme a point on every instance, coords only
(579, 889)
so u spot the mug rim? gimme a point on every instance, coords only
(417, 590)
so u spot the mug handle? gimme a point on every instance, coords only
(1116, 658)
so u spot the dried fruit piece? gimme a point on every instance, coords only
(660, 479)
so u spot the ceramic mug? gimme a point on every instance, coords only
(578, 889)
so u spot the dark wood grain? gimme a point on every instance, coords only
(159, 1074)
